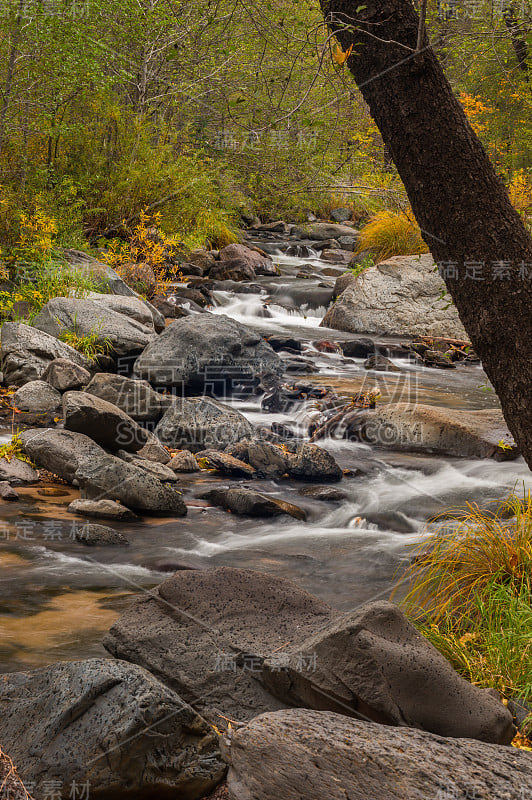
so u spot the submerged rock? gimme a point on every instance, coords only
(107, 725)
(402, 295)
(299, 754)
(100, 536)
(102, 509)
(248, 503)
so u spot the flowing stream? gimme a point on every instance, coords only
(58, 597)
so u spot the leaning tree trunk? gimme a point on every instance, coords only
(475, 235)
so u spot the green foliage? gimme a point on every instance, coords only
(362, 265)
(90, 344)
(13, 449)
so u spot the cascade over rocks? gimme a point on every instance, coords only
(402, 296)
(206, 350)
(109, 725)
(301, 754)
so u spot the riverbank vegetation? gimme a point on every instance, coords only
(210, 113)
(470, 592)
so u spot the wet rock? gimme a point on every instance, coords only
(391, 521)
(109, 478)
(326, 494)
(341, 214)
(375, 662)
(37, 399)
(103, 422)
(7, 492)
(284, 343)
(27, 352)
(380, 364)
(184, 461)
(125, 336)
(169, 566)
(313, 463)
(336, 256)
(324, 346)
(110, 726)
(94, 535)
(358, 348)
(58, 451)
(153, 450)
(102, 509)
(207, 349)
(224, 463)
(269, 460)
(431, 429)
(434, 358)
(64, 375)
(321, 231)
(191, 629)
(259, 262)
(248, 503)
(160, 471)
(135, 397)
(234, 269)
(202, 423)
(399, 296)
(300, 754)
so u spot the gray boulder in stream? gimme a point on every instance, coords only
(108, 726)
(109, 478)
(104, 422)
(415, 427)
(401, 296)
(243, 642)
(207, 352)
(58, 451)
(198, 423)
(27, 352)
(124, 335)
(301, 754)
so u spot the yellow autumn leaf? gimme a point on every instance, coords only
(341, 56)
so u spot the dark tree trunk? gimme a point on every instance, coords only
(463, 209)
(517, 36)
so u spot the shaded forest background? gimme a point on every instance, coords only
(210, 112)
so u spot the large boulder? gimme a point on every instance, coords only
(135, 397)
(301, 754)
(205, 633)
(27, 352)
(109, 478)
(206, 350)
(199, 423)
(64, 375)
(321, 231)
(415, 427)
(109, 726)
(271, 639)
(104, 422)
(374, 661)
(132, 307)
(124, 335)
(401, 296)
(313, 463)
(58, 451)
(260, 262)
(37, 398)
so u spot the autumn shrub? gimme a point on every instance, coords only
(391, 233)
